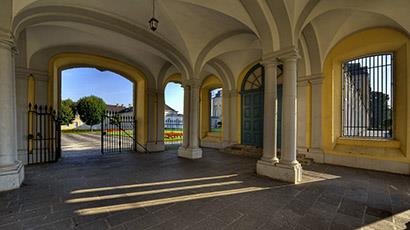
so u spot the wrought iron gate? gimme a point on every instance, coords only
(43, 129)
(118, 133)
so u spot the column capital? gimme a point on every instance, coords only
(152, 92)
(270, 62)
(318, 80)
(228, 93)
(302, 83)
(7, 41)
(285, 54)
(193, 83)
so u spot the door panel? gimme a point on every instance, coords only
(252, 118)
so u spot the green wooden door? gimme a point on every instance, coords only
(252, 118)
(252, 107)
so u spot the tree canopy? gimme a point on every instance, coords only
(91, 109)
(67, 111)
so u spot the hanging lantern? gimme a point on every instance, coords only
(153, 22)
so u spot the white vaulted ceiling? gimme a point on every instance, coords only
(194, 35)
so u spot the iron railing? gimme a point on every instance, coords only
(43, 135)
(367, 106)
(119, 133)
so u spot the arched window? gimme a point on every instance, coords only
(254, 79)
(367, 109)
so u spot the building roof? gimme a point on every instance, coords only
(115, 108)
(168, 108)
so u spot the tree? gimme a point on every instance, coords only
(67, 112)
(91, 109)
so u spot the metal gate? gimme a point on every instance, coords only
(118, 133)
(43, 129)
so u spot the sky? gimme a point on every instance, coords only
(174, 96)
(111, 87)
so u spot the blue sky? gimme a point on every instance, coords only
(174, 96)
(111, 87)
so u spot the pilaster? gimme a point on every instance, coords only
(11, 170)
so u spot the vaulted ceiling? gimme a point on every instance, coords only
(196, 35)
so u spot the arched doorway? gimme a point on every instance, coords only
(252, 106)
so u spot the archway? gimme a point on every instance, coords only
(173, 130)
(107, 95)
(69, 60)
(211, 116)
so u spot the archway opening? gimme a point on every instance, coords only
(173, 114)
(87, 96)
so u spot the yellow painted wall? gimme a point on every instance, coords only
(367, 42)
(71, 60)
(211, 82)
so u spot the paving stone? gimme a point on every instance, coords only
(355, 198)
(352, 208)
(125, 216)
(209, 223)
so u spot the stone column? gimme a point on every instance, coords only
(292, 168)
(316, 112)
(226, 120)
(11, 170)
(234, 117)
(190, 148)
(187, 93)
(265, 166)
(288, 169)
(153, 113)
(270, 117)
(160, 120)
(303, 118)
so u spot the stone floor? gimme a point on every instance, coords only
(162, 191)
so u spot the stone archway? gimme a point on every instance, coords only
(69, 60)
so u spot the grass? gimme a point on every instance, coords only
(169, 134)
(77, 131)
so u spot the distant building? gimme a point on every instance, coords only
(216, 110)
(172, 119)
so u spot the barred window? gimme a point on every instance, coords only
(367, 106)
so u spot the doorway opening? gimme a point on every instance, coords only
(173, 114)
(94, 105)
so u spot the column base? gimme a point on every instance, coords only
(190, 153)
(156, 147)
(11, 176)
(280, 171)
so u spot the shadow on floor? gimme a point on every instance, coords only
(162, 191)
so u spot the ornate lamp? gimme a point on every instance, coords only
(153, 22)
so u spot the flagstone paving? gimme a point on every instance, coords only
(220, 191)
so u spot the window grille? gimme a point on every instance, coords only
(367, 106)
